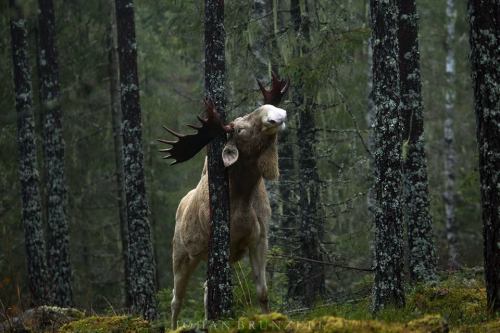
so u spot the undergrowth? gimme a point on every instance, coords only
(455, 304)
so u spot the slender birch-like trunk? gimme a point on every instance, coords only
(450, 159)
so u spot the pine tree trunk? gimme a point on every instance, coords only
(28, 168)
(370, 119)
(141, 261)
(449, 140)
(58, 229)
(311, 284)
(262, 49)
(287, 182)
(484, 18)
(422, 259)
(116, 119)
(219, 298)
(388, 244)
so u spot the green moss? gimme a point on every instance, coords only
(429, 323)
(276, 322)
(459, 301)
(95, 324)
(489, 327)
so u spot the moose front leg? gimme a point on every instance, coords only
(257, 254)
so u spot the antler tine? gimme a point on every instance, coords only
(278, 89)
(188, 145)
(173, 132)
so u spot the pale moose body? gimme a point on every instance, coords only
(251, 156)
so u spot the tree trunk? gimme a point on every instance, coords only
(388, 247)
(260, 40)
(116, 119)
(311, 283)
(422, 259)
(28, 168)
(449, 140)
(58, 229)
(370, 119)
(219, 298)
(141, 261)
(484, 18)
(262, 50)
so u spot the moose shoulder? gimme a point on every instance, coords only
(251, 156)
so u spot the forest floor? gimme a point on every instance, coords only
(456, 304)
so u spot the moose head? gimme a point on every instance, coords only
(250, 136)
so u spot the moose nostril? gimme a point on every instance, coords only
(271, 121)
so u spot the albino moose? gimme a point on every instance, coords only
(251, 156)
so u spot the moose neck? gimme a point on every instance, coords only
(244, 176)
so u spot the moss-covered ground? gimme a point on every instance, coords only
(456, 304)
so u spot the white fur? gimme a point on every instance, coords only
(273, 116)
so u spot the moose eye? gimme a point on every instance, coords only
(240, 130)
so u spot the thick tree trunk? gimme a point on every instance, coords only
(28, 168)
(450, 162)
(219, 298)
(421, 254)
(141, 261)
(388, 247)
(116, 119)
(311, 283)
(484, 18)
(58, 229)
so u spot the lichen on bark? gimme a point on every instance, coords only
(140, 250)
(485, 59)
(219, 297)
(58, 229)
(34, 240)
(421, 252)
(388, 244)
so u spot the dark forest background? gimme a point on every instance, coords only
(170, 50)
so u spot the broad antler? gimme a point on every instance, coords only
(187, 146)
(277, 91)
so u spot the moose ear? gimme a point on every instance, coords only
(230, 154)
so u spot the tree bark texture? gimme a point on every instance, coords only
(421, 252)
(219, 298)
(116, 119)
(262, 47)
(484, 18)
(311, 282)
(34, 240)
(388, 246)
(140, 249)
(58, 229)
(288, 180)
(450, 159)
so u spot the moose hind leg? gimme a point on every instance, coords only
(182, 267)
(257, 256)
